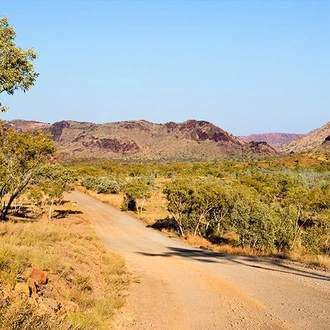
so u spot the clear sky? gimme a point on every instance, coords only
(246, 66)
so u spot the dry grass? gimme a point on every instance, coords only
(154, 209)
(201, 242)
(79, 268)
(318, 261)
(112, 199)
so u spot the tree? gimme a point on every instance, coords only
(137, 191)
(21, 153)
(16, 69)
(253, 221)
(198, 206)
(54, 180)
(178, 194)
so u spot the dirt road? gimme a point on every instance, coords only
(181, 287)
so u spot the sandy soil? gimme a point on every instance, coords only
(180, 287)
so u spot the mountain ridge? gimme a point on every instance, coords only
(317, 139)
(274, 139)
(140, 139)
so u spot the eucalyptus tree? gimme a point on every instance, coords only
(21, 153)
(16, 68)
(199, 206)
(137, 190)
(54, 179)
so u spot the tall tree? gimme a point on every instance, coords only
(21, 153)
(16, 69)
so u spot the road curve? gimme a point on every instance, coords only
(182, 287)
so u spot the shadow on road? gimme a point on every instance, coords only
(275, 265)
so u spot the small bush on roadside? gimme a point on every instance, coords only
(104, 185)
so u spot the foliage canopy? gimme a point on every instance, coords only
(21, 153)
(16, 69)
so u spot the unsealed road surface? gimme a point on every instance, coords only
(181, 287)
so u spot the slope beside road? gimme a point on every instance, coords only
(181, 287)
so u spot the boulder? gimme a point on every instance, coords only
(39, 277)
(31, 285)
(23, 289)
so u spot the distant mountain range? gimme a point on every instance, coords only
(141, 139)
(192, 139)
(273, 139)
(319, 139)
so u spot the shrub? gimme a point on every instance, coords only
(103, 185)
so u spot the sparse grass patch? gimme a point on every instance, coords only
(115, 200)
(79, 269)
(318, 261)
(18, 315)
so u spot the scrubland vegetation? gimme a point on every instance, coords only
(276, 206)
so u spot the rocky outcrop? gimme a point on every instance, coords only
(112, 145)
(57, 128)
(262, 148)
(34, 291)
(327, 139)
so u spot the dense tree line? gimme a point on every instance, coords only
(267, 210)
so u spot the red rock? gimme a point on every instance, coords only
(39, 277)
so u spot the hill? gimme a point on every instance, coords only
(141, 139)
(273, 139)
(319, 139)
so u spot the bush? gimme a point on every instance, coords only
(103, 185)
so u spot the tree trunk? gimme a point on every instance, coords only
(50, 209)
(6, 209)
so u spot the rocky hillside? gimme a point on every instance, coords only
(27, 125)
(273, 139)
(319, 139)
(144, 140)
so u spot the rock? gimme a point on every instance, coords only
(51, 303)
(32, 302)
(35, 296)
(44, 309)
(39, 277)
(70, 306)
(32, 286)
(22, 288)
(8, 292)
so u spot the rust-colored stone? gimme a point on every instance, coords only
(39, 277)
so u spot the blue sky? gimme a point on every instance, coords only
(246, 66)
